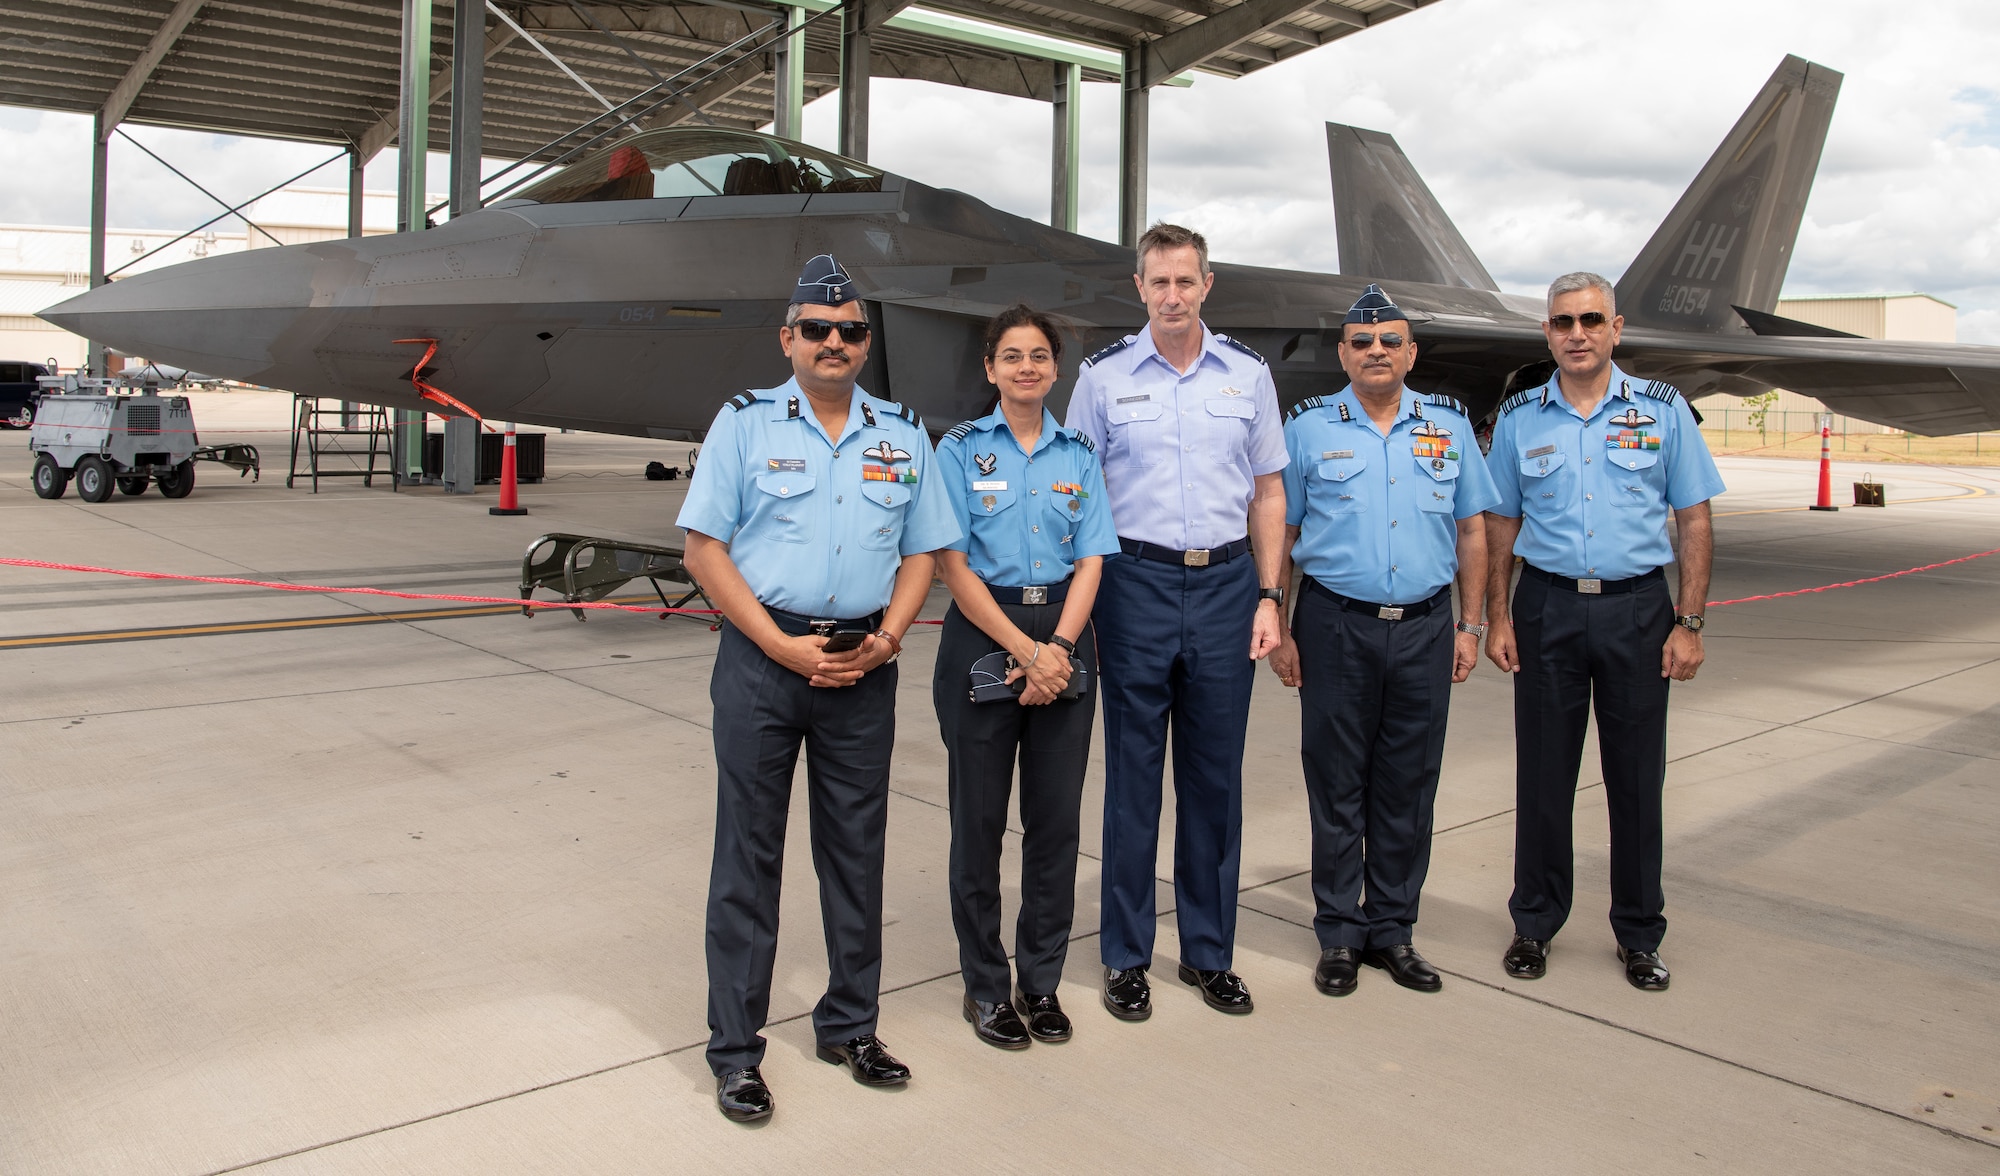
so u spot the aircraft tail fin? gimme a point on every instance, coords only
(1729, 241)
(1388, 224)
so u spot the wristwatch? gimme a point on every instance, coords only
(1063, 643)
(1469, 627)
(1277, 594)
(895, 646)
(1692, 622)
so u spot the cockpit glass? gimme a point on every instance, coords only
(693, 161)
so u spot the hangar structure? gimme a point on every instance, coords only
(533, 81)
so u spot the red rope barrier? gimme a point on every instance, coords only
(1853, 583)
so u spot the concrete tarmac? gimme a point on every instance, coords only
(426, 896)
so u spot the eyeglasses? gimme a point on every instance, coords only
(1038, 356)
(816, 330)
(1362, 340)
(1591, 320)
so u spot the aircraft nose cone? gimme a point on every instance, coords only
(219, 315)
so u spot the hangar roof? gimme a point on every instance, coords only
(326, 70)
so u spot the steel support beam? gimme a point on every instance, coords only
(1188, 47)
(1133, 114)
(357, 179)
(384, 131)
(714, 88)
(406, 438)
(119, 103)
(1065, 144)
(788, 98)
(854, 67)
(468, 103)
(100, 161)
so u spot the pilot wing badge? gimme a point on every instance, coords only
(887, 455)
(1432, 440)
(985, 461)
(1631, 432)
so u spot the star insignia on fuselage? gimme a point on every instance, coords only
(1632, 419)
(885, 453)
(986, 462)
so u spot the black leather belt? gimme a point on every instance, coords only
(1386, 612)
(800, 625)
(1198, 558)
(1594, 587)
(1032, 594)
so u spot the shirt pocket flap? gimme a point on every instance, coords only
(1541, 467)
(1340, 469)
(1141, 410)
(785, 485)
(1227, 406)
(889, 494)
(990, 502)
(1634, 459)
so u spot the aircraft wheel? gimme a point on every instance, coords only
(178, 482)
(93, 479)
(50, 479)
(131, 487)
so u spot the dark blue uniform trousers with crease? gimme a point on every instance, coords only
(1577, 651)
(1173, 645)
(1373, 698)
(763, 714)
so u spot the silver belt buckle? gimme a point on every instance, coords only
(1195, 559)
(822, 628)
(1389, 612)
(1590, 587)
(1034, 596)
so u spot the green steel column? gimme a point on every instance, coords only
(788, 114)
(1066, 161)
(412, 148)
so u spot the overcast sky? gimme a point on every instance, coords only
(1556, 134)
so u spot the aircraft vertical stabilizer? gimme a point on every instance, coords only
(1729, 240)
(1388, 224)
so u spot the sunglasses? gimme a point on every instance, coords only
(1591, 320)
(816, 330)
(1362, 340)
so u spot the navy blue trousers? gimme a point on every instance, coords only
(1578, 651)
(1174, 647)
(763, 714)
(1372, 705)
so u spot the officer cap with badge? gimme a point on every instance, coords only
(1374, 306)
(823, 283)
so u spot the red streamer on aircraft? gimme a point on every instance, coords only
(430, 392)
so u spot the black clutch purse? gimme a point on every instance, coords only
(989, 679)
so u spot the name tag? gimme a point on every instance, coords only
(1541, 451)
(1139, 399)
(1336, 454)
(989, 485)
(787, 465)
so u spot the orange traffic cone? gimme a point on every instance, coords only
(1825, 466)
(510, 494)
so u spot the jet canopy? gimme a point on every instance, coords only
(700, 161)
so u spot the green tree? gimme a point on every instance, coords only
(1760, 410)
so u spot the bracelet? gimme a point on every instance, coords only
(1036, 658)
(1475, 630)
(1063, 643)
(895, 646)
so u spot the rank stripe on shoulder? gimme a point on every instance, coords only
(1304, 406)
(1102, 353)
(1083, 439)
(961, 430)
(1517, 400)
(1440, 400)
(1664, 393)
(1245, 348)
(741, 401)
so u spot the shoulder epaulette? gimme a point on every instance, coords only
(1665, 393)
(1245, 348)
(909, 414)
(741, 401)
(1114, 349)
(961, 430)
(1517, 400)
(1304, 406)
(1083, 439)
(1440, 400)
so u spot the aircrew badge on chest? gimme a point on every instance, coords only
(986, 461)
(1432, 440)
(1232, 391)
(887, 455)
(1631, 432)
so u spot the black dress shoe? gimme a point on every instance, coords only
(1336, 974)
(996, 1024)
(1404, 966)
(1222, 991)
(741, 1095)
(868, 1060)
(1644, 970)
(1127, 995)
(1046, 1020)
(1526, 959)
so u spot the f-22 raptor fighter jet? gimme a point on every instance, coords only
(639, 287)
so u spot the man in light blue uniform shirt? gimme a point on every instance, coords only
(1588, 466)
(811, 516)
(1186, 423)
(1383, 504)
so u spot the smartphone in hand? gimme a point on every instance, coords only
(844, 640)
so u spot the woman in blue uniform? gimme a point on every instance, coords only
(1030, 498)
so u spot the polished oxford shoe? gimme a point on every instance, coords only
(1404, 966)
(1526, 959)
(1046, 1020)
(1644, 970)
(1223, 991)
(996, 1024)
(1127, 995)
(741, 1095)
(868, 1060)
(1336, 974)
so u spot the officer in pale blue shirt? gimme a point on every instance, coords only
(810, 521)
(1186, 422)
(1029, 496)
(1588, 466)
(1383, 509)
